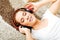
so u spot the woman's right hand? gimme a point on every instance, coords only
(24, 30)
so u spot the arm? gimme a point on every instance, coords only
(29, 36)
(44, 2)
(55, 7)
(39, 4)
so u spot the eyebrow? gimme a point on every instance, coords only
(23, 13)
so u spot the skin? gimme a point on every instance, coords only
(35, 23)
(28, 19)
(25, 18)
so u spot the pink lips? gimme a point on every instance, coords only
(30, 18)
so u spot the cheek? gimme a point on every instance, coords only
(25, 23)
(34, 21)
(31, 23)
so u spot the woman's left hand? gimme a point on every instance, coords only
(32, 6)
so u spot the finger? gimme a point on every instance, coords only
(34, 10)
(29, 5)
(19, 28)
(31, 8)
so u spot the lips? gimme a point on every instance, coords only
(30, 18)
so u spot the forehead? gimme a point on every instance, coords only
(18, 16)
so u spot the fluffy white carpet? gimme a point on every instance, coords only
(9, 33)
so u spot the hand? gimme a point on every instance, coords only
(24, 30)
(32, 6)
(50, 0)
(54, 0)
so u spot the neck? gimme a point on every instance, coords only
(37, 24)
(40, 24)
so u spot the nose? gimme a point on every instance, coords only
(26, 17)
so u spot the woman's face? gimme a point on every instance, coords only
(25, 18)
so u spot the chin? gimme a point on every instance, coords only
(33, 22)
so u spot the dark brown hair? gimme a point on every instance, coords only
(15, 24)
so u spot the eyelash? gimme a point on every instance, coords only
(22, 20)
(24, 14)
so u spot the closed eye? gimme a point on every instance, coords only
(22, 20)
(24, 14)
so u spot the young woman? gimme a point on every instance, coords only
(47, 28)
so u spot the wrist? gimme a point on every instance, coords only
(27, 33)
